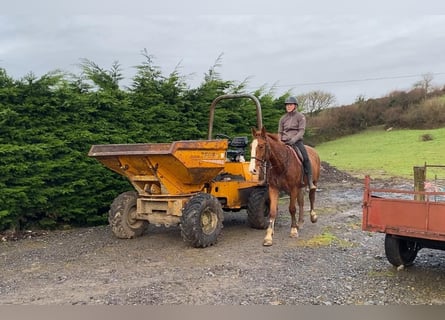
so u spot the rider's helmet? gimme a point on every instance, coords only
(290, 100)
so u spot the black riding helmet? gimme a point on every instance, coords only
(290, 100)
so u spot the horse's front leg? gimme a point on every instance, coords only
(300, 201)
(293, 211)
(273, 196)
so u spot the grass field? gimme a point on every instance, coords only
(384, 154)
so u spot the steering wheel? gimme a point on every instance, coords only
(222, 136)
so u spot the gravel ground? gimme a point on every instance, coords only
(333, 262)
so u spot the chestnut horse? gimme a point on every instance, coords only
(282, 170)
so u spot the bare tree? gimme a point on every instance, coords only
(360, 98)
(315, 101)
(426, 83)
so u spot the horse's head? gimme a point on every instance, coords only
(258, 152)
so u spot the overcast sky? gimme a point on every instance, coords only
(347, 55)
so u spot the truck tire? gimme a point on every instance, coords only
(202, 220)
(258, 211)
(121, 216)
(400, 251)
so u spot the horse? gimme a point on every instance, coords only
(282, 170)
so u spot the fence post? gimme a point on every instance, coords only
(419, 182)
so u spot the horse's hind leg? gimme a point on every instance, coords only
(314, 216)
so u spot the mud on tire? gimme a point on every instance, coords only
(121, 216)
(202, 220)
(258, 211)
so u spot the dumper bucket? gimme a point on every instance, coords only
(180, 167)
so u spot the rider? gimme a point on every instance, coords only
(291, 129)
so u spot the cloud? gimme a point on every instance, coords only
(346, 55)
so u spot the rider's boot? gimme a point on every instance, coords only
(310, 181)
(308, 171)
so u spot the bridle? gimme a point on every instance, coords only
(265, 164)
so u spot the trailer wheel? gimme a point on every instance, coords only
(202, 220)
(400, 251)
(258, 211)
(122, 216)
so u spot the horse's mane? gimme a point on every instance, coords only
(273, 136)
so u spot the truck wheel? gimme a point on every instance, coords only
(202, 220)
(122, 216)
(400, 251)
(258, 211)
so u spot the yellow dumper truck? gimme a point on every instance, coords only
(187, 183)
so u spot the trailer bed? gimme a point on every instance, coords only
(411, 220)
(384, 210)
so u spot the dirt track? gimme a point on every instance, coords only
(332, 262)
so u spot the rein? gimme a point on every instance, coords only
(266, 165)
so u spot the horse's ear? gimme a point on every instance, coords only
(263, 131)
(253, 131)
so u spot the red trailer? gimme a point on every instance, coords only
(411, 220)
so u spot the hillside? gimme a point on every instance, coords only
(384, 154)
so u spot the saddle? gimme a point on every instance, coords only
(297, 153)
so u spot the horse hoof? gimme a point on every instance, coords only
(300, 225)
(314, 218)
(294, 233)
(267, 243)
